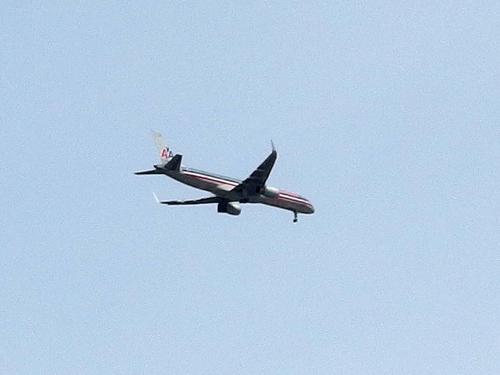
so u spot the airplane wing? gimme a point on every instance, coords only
(258, 178)
(207, 200)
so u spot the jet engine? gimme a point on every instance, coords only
(270, 192)
(231, 208)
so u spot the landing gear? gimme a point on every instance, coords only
(295, 219)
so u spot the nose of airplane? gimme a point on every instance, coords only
(311, 208)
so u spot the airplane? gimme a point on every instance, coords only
(227, 192)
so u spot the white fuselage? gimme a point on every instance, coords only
(222, 186)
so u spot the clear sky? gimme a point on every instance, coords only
(386, 115)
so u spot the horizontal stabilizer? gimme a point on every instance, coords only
(152, 171)
(173, 165)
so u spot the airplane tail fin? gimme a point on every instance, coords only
(168, 161)
(164, 151)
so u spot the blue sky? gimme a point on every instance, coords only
(385, 115)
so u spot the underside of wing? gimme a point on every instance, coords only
(261, 174)
(257, 180)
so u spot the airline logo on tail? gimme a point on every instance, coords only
(166, 153)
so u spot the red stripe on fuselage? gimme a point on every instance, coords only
(285, 196)
(286, 199)
(210, 178)
(291, 194)
(290, 197)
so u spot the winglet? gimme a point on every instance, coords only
(156, 198)
(272, 145)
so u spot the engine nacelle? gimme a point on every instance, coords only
(270, 192)
(231, 208)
